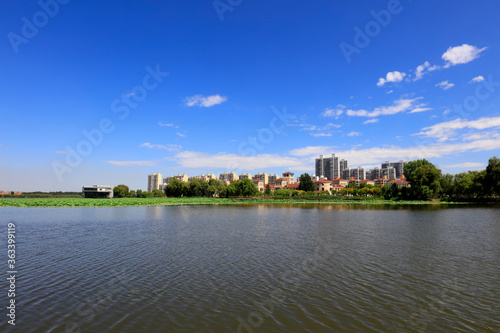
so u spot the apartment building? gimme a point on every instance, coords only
(260, 184)
(154, 182)
(227, 177)
(272, 179)
(340, 181)
(262, 176)
(206, 177)
(183, 178)
(245, 176)
(374, 173)
(280, 183)
(399, 167)
(389, 172)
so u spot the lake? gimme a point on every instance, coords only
(261, 268)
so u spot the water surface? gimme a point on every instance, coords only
(255, 269)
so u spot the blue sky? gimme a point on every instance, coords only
(251, 86)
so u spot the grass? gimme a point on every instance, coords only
(123, 202)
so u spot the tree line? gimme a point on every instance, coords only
(426, 182)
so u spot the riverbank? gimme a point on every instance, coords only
(125, 202)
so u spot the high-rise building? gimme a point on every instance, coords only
(154, 182)
(183, 178)
(245, 175)
(398, 166)
(229, 177)
(328, 167)
(272, 179)
(358, 173)
(389, 172)
(373, 174)
(344, 164)
(263, 177)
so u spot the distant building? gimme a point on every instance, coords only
(289, 177)
(323, 185)
(358, 174)
(262, 176)
(154, 182)
(272, 179)
(399, 182)
(245, 176)
(328, 168)
(97, 191)
(367, 182)
(260, 184)
(389, 172)
(346, 174)
(340, 181)
(399, 167)
(229, 177)
(373, 174)
(183, 178)
(206, 177)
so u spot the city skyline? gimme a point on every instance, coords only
(265, 87)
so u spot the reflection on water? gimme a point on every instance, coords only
(263, 268)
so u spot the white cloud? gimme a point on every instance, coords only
(169, 147)
(380, 154)
(446, 130)
(420, 109)
(192, 159)
(464, 165)
(434, 68)
(481, 136)
(461, 55)
(400, 105)
(317, 135)
(445, 85)
(132, 163)
(420, 71)
(390, 92)
(57, 151)
(202, 101)
(354, 134)
(334, 112)
(391, 77)
(165, 125)
(181, 135)
(370, 121)
(330, 125)
(477, 79)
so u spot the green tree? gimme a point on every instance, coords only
(424, 179)
(306, 183)
(131, 194)
(176, 188)
(138, 193)
(157, 193)
(268, 190)
(216, 188)
(463, 183)
(244, 187)
(491, 181)
(120, 191)
(446, 185)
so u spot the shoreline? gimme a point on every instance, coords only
(158, 202)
